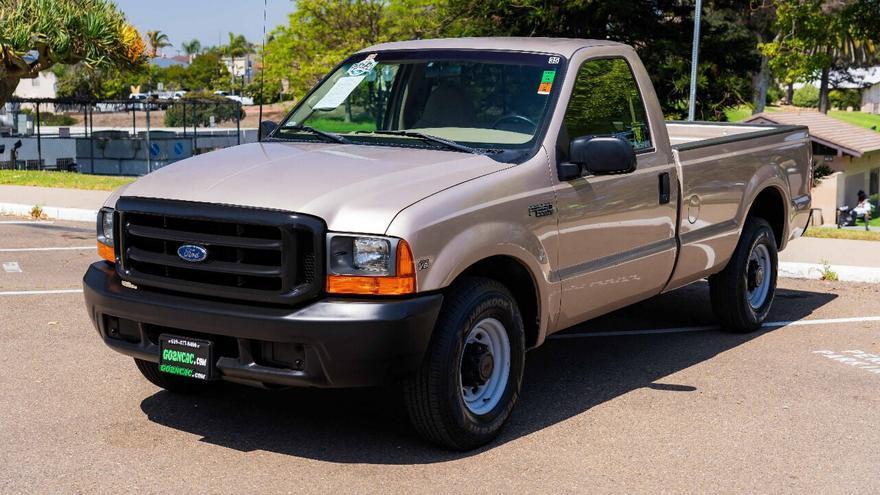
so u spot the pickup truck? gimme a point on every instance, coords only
(432, 210)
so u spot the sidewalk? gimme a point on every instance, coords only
(853, 261)
(56, 202)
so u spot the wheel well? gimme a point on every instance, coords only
(513, 274)
(770, 206)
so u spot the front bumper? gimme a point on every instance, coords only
(328, 343)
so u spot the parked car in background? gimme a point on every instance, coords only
(429, 212)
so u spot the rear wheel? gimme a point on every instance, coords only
(170, 383)
(471, 375)
(743, 292)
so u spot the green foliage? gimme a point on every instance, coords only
(843, 98)
(820, 172)
(93, 32)
(807, 96)
(819, 36)
(157, 40)
(199, 108)
(206, 72)
(49, 118)
(660, 30)
(191, 47)
(321, 33)
(774, 94)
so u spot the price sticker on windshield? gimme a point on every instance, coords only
(363, 67)
(546, 82)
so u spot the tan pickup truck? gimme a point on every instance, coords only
(430, 211)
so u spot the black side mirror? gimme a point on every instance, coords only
(598, 156)
(266, 128)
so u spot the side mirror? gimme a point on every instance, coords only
(266, 127)
(598, 156)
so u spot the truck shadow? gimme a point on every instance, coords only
(563, 378)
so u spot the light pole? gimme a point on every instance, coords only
(695, 50)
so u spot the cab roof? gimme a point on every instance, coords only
(560, 46)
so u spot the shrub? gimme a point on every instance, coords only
(820, 172)
(843, 98)
(807, 96)
(199, 108)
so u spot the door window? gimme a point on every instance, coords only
(606, 101)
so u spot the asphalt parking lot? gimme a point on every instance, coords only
(645, 400)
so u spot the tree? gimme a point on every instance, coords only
(157, 40)
(820, 37)
(660, 30)
(238, 46)
(192, 47)
(206, 72)
(35, 35)
(320, 34)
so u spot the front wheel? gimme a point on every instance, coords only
(471, 375)
(743, 292)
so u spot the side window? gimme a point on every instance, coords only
(606, 101)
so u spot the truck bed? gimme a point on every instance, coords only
(690, 135)
(716, 162)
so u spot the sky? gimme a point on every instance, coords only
(205, 20)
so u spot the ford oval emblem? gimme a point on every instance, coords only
(192, 253)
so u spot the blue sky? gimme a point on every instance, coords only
(183, 20)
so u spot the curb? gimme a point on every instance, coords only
(845, 273)
(55, 212)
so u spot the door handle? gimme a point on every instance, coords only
(664, 188)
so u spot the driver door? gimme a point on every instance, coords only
(616, 232)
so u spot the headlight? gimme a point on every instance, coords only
(105, 235)
(369, 265)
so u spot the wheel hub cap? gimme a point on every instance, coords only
(485, 366)
(477, 365)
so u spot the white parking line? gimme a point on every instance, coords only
(21, 222)
(40, 292)
(23, 250)
(706, 328)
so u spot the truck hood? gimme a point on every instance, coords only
(354, 188)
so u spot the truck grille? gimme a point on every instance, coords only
(253, 254)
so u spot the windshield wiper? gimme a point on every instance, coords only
(428, 137)
(336, 138)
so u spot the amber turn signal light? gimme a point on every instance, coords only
(403, 282)
(106, 253)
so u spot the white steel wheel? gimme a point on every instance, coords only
(484, 366)
(757, 274)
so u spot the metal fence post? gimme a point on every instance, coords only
(238, 120)
(39, 139)
(195, 127)
(91, 132)
(149, 154)
(183, 103)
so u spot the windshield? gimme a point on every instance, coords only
(491, 102)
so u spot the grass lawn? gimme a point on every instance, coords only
(742, 112)
(866, 120)
(67, 180)
(835, 233)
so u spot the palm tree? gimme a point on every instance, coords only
(192, 47)
(157, 41)
(238, 46)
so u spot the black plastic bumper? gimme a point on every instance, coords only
(339, 342)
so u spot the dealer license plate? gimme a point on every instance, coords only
(186, 357)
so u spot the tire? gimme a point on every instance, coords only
(168, 382)
(478, 314)
(743, 292)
